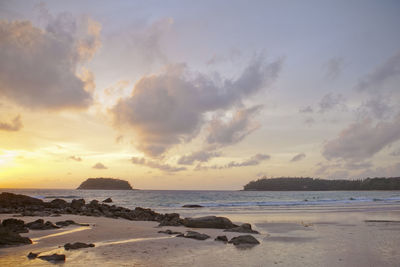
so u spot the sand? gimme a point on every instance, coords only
(299, 237)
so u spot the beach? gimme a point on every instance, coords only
(360, 235)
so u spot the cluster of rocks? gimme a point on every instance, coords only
(54, 258)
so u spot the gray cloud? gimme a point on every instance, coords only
(76, 158)
(363, 139)
(307, 109)
(39, 67)
(331, 101)
(156, 165)
(392, 170)
(334, 67)
(200, 156)
(298, 157)
(253, 161)
(13, 126)
(99, 166)
(233, 131)
(169, 108)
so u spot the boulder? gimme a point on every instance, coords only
(244, 228)
(209, 222)
(70, 222)
(77, 204)
(10, 200)
(222, 238)
(244, 240)
(58, 203)
(194, 235)
(192, 206)
(15, 225)
(10, 238)
(107, 200)
(53, 258)
(169, 232)
(77, 245)
(32, 255)
(171, 219)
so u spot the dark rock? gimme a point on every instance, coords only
(194, 235)
(41, 225)
(244, 240)
(209, 222)
(107, 200)
(11, 201)
(15, 225)
(192, 206)
(32, 255)
(222, 238)
(8, 237)
(169, 232)
(244, 228)
(77, 245)
(171, 219)
(58, 203)
(77, 204)
(94, 203)
(53, 258)
(105, 184)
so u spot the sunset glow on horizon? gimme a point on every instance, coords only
(197, 95)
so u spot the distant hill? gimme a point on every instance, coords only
(312, 184)
(105, 184)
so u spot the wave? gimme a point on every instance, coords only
(61, 197)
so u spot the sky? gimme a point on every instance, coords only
(197, 94)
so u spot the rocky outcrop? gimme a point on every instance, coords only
(15, 225)
(53, 258)
(32, 255)
(209, 222)
(170, 232)
(41, 225)
(171, 219)
(105, 184)
(11, 238)
(77, 245)
(107, 200)
(244, 240)
(195, 235)
(244, 228)
(70, 222)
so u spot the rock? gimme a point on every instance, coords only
(15, 225)
(58, 203)
(94, 203)
(244, 240)
(169, 232)
(105, 184)
(77, 204)
(70, 222)
(244, 228)
(32, 255)
(209, 222)
(41, 225)
(8, 237)
(10, 200)
(192, 206)
(53, 258)
(222, 238)
(77, 245)
(171, 219)
(194, 235)
(107, 200)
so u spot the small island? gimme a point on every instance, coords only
(105, 184)
(313, 184)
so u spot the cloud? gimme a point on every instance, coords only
(155, 165)
(13, 126)
(253, 161)
(234, 130)
(200, 156)
(307, 109)
(298, 157)
(331, 101)
(309, 121)
(39, 68)
(382, 74)
(362, 140)
(76, 158)
(169, 108)
(99, 166)
(334, 67)
(392, 170)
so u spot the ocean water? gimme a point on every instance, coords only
(222, 202)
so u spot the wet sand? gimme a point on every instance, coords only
(340, 237)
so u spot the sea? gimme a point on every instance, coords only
(225, 202)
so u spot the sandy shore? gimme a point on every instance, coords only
(340, 237)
